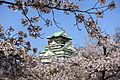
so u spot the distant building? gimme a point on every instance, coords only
(59, 45)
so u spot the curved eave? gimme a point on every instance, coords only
(59, 36)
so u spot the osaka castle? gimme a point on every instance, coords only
(59, 45)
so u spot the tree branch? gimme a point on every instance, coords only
(56, 23)
(6, 2)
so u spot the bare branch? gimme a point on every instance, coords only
(56, 23)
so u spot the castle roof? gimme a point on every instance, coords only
(59, 34)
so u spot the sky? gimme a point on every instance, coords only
(108, 23)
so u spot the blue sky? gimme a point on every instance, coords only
(108, 23)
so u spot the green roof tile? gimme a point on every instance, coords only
(61, 33)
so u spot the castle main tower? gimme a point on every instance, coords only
(59, 45)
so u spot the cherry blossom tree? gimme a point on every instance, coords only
(89, 64)
(117, 35)
(68, 7)
(94, 62)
